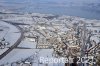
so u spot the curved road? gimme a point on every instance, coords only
(15, 44)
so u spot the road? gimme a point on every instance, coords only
(16, 43)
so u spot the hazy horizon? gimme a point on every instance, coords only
(82, 8)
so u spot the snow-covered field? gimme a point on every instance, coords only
(10, 33)
(19, 54)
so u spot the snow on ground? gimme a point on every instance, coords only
(11, 34)
(3, 50)
(18, 54)
(20, 19)
(27, 44)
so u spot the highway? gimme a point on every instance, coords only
(16, 43)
